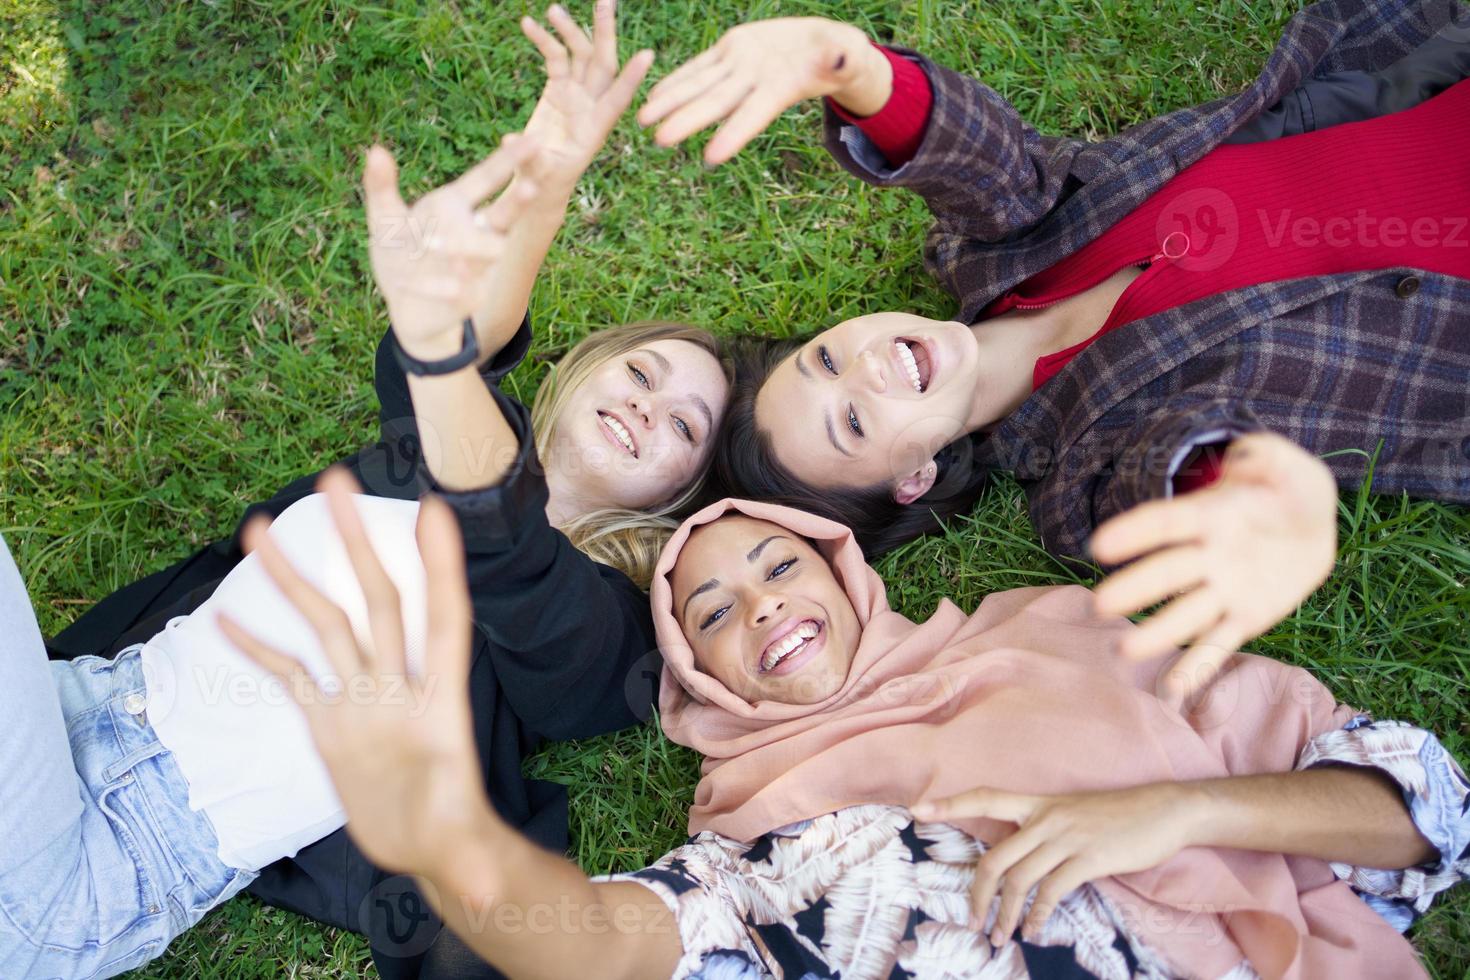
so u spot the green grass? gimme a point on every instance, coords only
(187, 321)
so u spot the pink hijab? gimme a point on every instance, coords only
(1025, 695)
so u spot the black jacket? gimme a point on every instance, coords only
(564, 648)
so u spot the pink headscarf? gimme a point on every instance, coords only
(1027, 695)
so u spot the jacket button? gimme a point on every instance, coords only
(1408, 286)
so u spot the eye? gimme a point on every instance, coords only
(782, 568)
(853, 424)
(714, 617)
(825, 358)
(639, 376)
(683, 427)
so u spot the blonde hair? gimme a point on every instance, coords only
(628, 540)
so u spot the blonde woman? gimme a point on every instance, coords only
(564, 509)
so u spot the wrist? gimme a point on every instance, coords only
(468, 856)
(1195, 814)
(435, 346)
(869, 84)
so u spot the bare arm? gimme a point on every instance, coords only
(1335, 814)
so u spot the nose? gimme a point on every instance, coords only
(767, 607)
(640, 403)
(870, 372)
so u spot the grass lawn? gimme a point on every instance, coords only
(187, 319)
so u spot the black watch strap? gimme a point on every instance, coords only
(468, 354)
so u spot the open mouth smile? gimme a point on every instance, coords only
(916, 361)
(793, 646)
(617, 433)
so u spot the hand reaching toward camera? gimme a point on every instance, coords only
(757, 71)
(585, 94)
(432, 259)
(400, 747)
(1232, 560)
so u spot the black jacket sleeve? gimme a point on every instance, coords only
(571, 639)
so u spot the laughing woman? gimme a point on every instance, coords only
(1132, 310)
(563, 510)
(837, 828)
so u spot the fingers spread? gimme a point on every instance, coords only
(385, 616)
(710, 106)
(682, 85)
(619, 96)
(1148, 526)
(497, 218)
(496, 170)
(994, 865)
(757, 112)
(573, 37)
(1150, 580)
(558, 63)
(1019, 881)
(1067, 878)
(1183, 618)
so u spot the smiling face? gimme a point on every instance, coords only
(763, 612)
(871, 400)
(640, 428)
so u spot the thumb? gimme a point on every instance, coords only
(993, 804)
(380, 184)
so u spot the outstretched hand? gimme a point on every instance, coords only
(585, 93)
(1232, 560)
(399, 745)
(757, 71)
(431, 260)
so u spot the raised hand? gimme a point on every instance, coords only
(757, 71)
(585, 94)
(1233, 559)
(1062, 842)
(399, 746)
(431, 260)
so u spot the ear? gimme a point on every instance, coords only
(916, 484)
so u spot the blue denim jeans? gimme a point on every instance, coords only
(102, 863)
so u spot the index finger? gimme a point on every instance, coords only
(496, 170)
(759, 109)
(450, 614)
(1147, 527)
(980, 802)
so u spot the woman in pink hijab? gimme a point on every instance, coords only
(997, 794)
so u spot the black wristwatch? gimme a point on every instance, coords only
(469, 353)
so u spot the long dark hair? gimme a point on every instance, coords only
(746, 466)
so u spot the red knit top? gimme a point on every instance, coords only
(1386, 192)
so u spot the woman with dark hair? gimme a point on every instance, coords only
(980, 795)
(1134, 312)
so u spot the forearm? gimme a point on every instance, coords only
(1349, 814)
(514, 274)
(532, 914)
(467, 444)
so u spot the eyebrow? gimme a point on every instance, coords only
(709, 417)
(712, 583)
(663, 362)
(696, 594)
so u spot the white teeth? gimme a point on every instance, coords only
(788, 644)
(907, 356)
(619, 431)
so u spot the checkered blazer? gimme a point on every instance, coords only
(1370, 369)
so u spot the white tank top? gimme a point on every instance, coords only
(235, 731)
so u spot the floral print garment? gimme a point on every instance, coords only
(868, 892)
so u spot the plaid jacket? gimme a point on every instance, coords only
(1351, 365)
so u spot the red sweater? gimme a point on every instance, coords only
(1382, 193)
